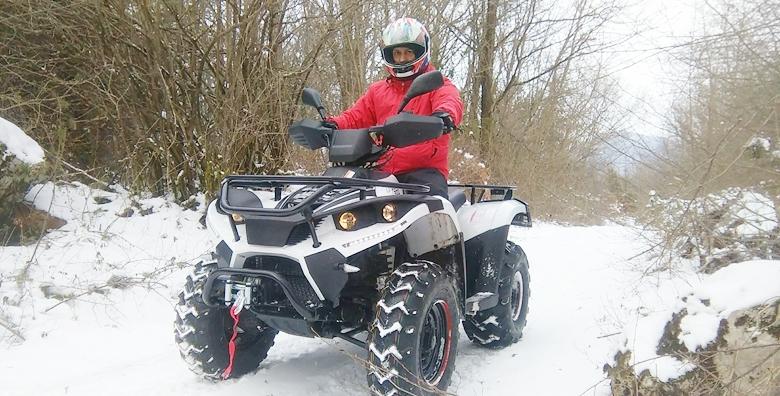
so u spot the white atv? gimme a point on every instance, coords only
(354, 254)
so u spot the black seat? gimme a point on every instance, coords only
(457, 197)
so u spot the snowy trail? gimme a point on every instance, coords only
(125, 346)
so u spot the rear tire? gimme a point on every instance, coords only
(413, 342)
(502, 325)
(202, 333)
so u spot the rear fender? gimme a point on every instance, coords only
(481, 217)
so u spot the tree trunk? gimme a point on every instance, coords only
(486, 59)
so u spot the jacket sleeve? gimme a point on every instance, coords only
(447, 98)
(360, 115)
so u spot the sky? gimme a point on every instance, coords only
(643, 63)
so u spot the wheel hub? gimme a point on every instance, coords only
(517, 296)
(435, 342)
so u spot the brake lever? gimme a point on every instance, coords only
(377, 137)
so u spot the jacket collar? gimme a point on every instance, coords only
(403, 84)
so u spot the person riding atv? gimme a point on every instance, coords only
(406, 54)
(354, 254)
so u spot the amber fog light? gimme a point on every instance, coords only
(237, 218)
(389, 212)
(347, 220)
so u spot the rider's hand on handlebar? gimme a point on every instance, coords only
(330, 124)
(445, 117)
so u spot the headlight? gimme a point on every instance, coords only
(237, 218)
(347, 221)
(389, 213)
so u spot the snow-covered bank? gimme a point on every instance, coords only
(119, 276)
(18, 144)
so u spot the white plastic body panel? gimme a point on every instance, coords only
(345, 242)
(484, 216)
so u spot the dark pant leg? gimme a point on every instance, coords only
(429, 177)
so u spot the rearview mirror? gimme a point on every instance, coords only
(312, 98)
(423, 84)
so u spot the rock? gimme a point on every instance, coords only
(751, 361)
(744, 359)
(126, 213)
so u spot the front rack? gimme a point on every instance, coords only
(279, 182)
(303, 209)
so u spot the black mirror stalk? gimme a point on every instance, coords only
(312, 98)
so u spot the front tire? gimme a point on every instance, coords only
(502, 325)
(413, 342)
(202, 333)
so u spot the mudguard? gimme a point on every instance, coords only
(432, 232)
(485, 227)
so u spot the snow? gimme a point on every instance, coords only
(19, 144)
(711, 299)
(740, 286)
(758, 213)
(759, 143)
(589, 300)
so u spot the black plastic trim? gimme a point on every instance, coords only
(224, 254)
(329, 277)
(271, 231)
(484, 262)
(294, 326)
(351, 340)
(434, 205)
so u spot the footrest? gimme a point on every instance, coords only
(480, 302)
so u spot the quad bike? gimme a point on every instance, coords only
(355, 255)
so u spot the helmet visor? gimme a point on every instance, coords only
(387, 53)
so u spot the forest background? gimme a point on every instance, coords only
(170, 96)
(166, 97)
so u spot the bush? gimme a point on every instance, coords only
(15, 179)
(730, 226)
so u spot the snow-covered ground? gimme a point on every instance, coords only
(94, 302)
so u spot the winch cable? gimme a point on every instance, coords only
(235, 309)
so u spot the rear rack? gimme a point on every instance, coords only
(506, 192)
(301, 212)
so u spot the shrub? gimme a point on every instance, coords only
(730, 226)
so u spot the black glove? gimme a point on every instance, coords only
(445, 117)
(330, 124)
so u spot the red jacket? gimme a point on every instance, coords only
(381, 101)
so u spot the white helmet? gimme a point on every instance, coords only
(409, 33)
